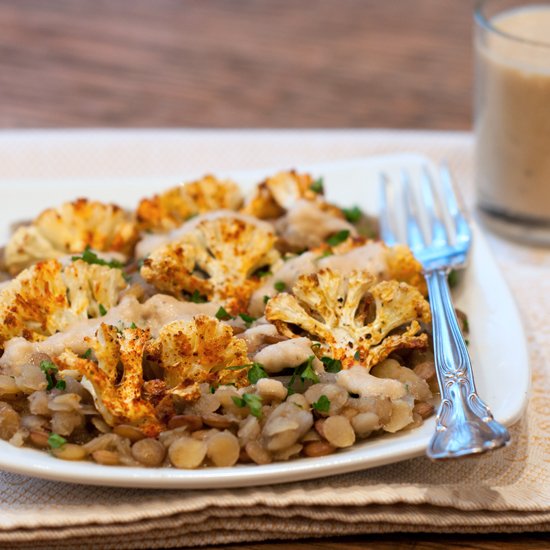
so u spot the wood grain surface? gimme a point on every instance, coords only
(235, 63)
(245, 63)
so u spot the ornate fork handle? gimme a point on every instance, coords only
(465, 424)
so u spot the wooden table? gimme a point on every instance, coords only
(245, 63)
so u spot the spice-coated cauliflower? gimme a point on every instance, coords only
(70, 229)
(118, 399)
(47, 298)
(201, 350)
(218, 260)
(387, 262)
(173, 207)
(352, 317)
(277, 194)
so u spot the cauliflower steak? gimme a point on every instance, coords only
(70, 229)
(218, 260)
(170, 209)
(351, 317)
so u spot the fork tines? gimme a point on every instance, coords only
(422, 210)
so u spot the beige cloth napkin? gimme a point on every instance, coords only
(507, 491)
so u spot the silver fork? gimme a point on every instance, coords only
(465, 424)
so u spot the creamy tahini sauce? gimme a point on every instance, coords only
(513, 115)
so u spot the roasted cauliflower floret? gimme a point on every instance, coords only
(197, 351)
(47, 298)
(119, 399)
(218, 260)
(92, 289)
(34, 304)
(351, 317)
(70, 229)
(277, 194)
(173, 207)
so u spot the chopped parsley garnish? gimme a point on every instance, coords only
(222, 315)
(248, 320)
(256, 372)
(252, 401)
(212, 389)
(305, 372)
(316, 345)
(325, 254)
(452, 278)
(266, 299)
(91, 257)
(87, 354)
(61, 385)
(357, 355)
(465, 325)
(263, 272)
(338, 238)
(197, 297)
(332, 365)
(467, 341)
(280, 286)
(133, 325)
(50, 370)
(322, 404)
(353, 214)
(102, 310)
(318, 186)
(55, 441)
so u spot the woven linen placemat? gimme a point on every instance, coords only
(506, 491)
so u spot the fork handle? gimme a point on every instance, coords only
(465, 424)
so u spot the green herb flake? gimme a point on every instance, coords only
(357, 355)
(452, 278)
(316, 345)
(91, 257)
(266, 299)
(353, 214)
(248, 320)
(252, 401)
(55, 441)
(467, 341)
(338, 238)
(263, 272)
(133, 325)
(332, 365)
(280, 286)
(102, 310)
(212, 389)
(240, 367)
(318, 186)
(87, 354)
(322, 404)
(305, 372)
(256, 372)
(465, 325)
(61, 385)
(197, 298)
(50, 370)
(222, 315)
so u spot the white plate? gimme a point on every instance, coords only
(502, 372)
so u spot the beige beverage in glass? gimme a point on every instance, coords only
(512, 118)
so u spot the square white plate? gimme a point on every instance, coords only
(502, 372)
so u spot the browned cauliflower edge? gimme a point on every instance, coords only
(170, 209)
(352, 319)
